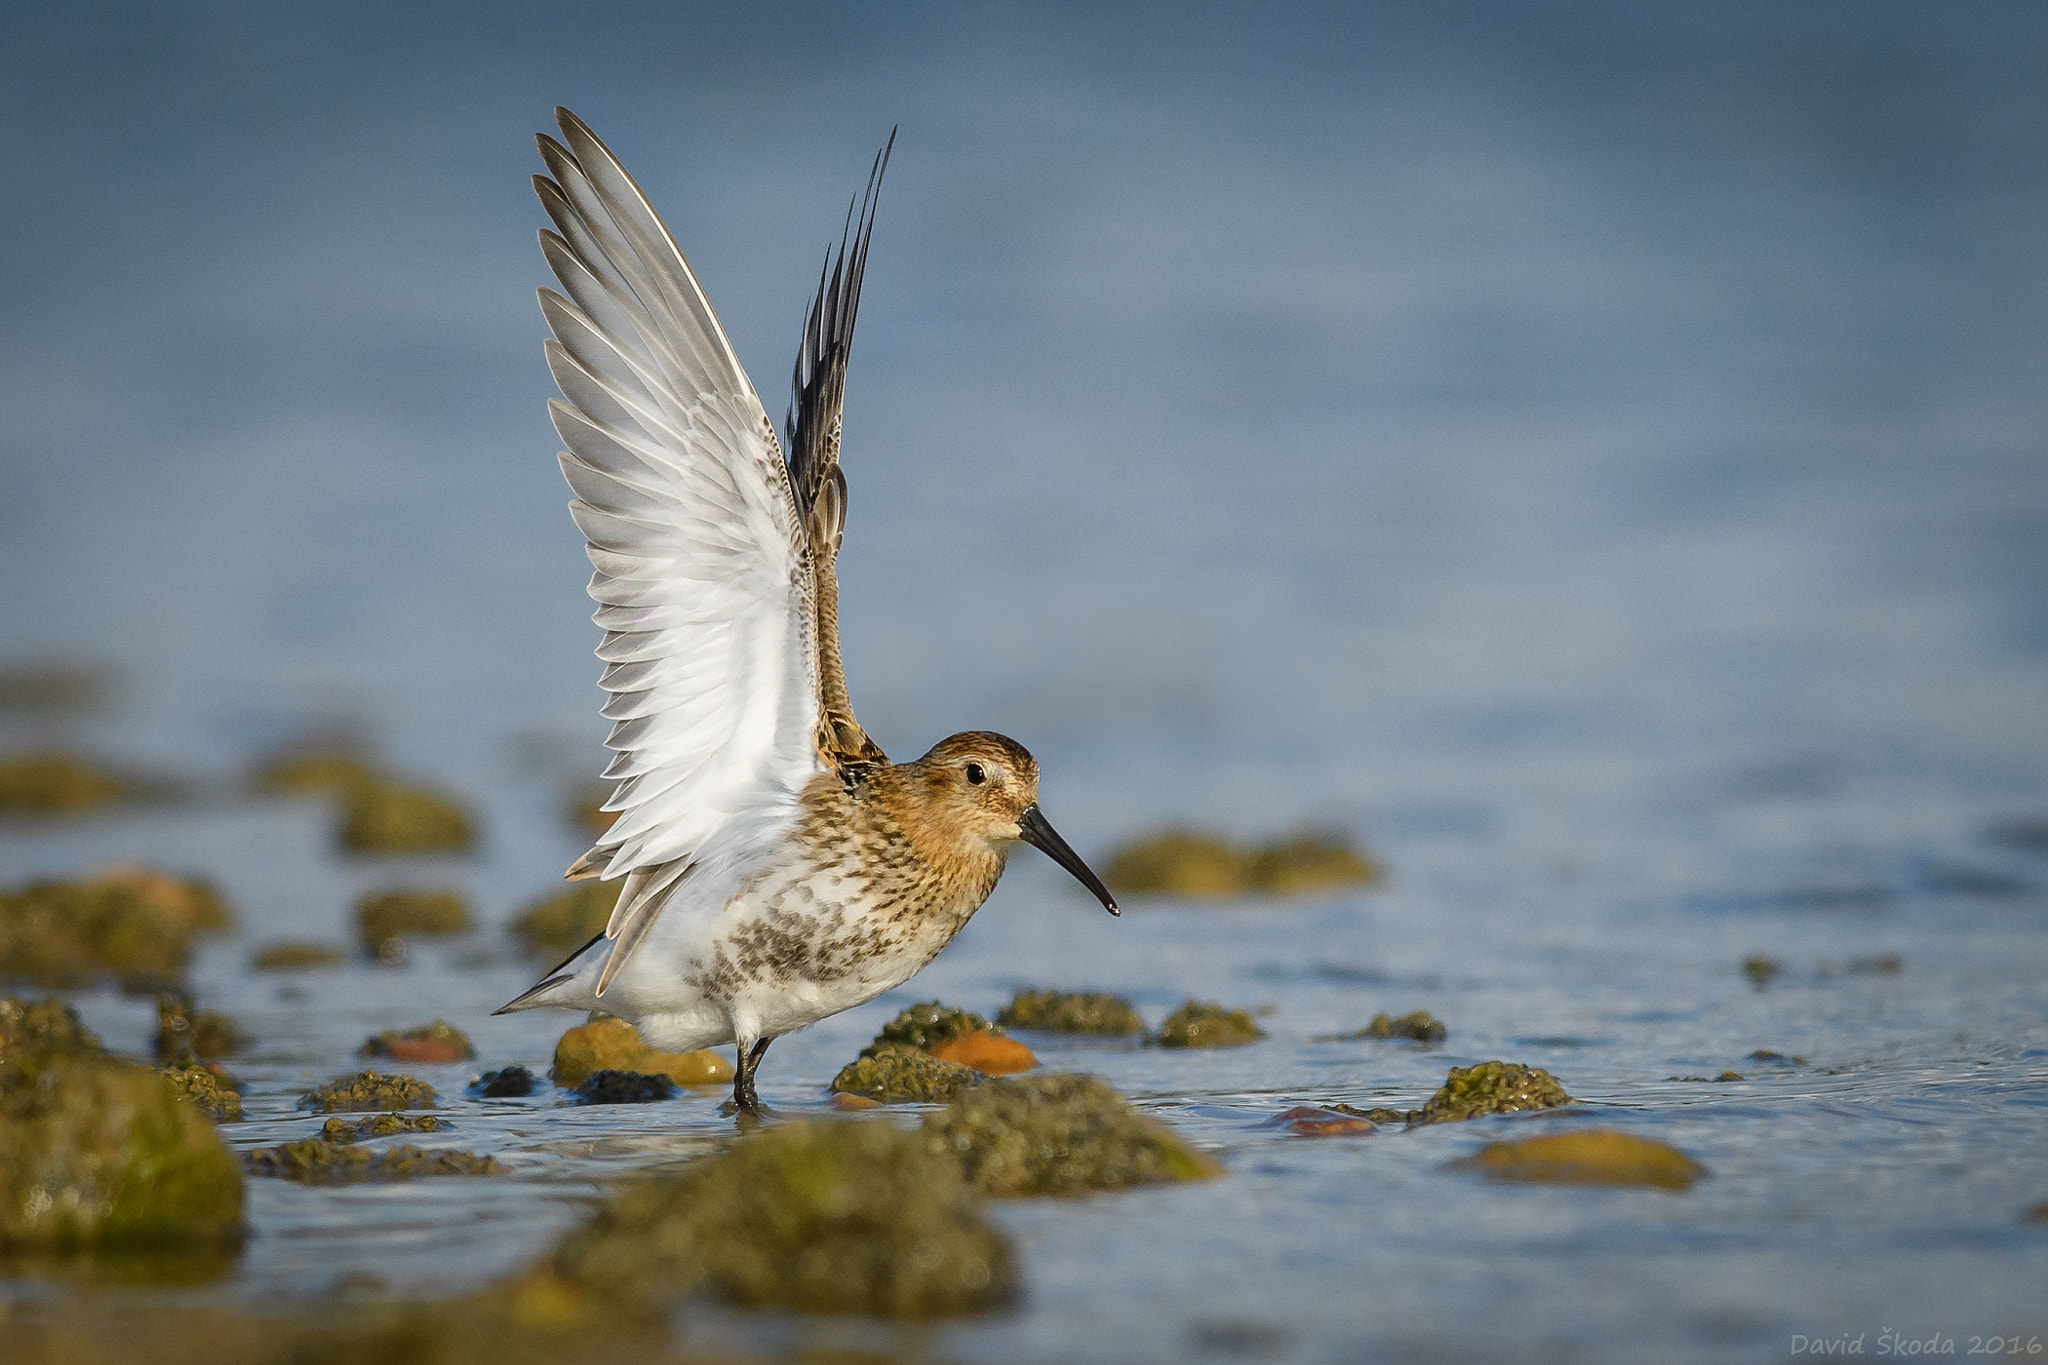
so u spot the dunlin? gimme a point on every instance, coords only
(777, 867)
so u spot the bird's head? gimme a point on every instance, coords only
(986, 786)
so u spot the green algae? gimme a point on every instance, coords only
(369, 1092)
(928, 1025)
(1196, 863)
(97, 1152)
(624, 1087)
(134, 927)
(439, 1041)
(205, 1090)
(1492, 1088)
(1071, 1012)
(840, 1217)
(1199, 1024)
(565, 921)
(296, 955)
(378, 1126)
(317, 1162)
(386, 919)
(1417, 1027)
(903, 1075)
(185, 1032)
(1057, 1135)
(386, 816)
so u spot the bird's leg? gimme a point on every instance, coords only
(749, 1058)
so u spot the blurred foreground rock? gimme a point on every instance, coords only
(1058, 1135)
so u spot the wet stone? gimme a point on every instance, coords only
(1418, 1027)
(624, 1087)
(315, 1162)
(206, 1090)
(383, 816)
(439, 1041)
(512, 1082)
(379, 1126)
(989, 1053)
(837, 1217)
(1492, 1088)
(386, 919)
(1058, 1135)
(608, 1044)
(369, 1092)
(1595, 1156)
(1071, 1012)
(903, 1075)
(295, 956)
(1307, 1120)
(1199, 1024)
(564, 922)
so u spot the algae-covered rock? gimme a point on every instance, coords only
(1057, 1135)
(929, 1024)
(294, 955)
(205, 1090)
(1491, 1088)
(378, 1126)
(1186, 862)
(1071, 1012)
(183, 1031)
(32, 1028)
(384, 816)
(623, 1087)
(839, 1217)
(512, 1082)
(314, 1162)
(386, 919)
(903, 1075)
(439, 1041)
(56, 784)
(1199, 1024)
(1418, 1027)
(70, 934)
(1593, 1156)
(369, 1092)
(96, 1152)
(564, 922)
(609, 1044)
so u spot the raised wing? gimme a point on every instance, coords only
(702, 572)
(818, 390)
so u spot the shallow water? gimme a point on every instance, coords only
(1598, 462)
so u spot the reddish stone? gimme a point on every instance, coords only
(1308, 1121)
(423, 1050)
(991, 1054)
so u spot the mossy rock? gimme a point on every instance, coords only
(56, 784)
(314, 1162)
(609, 1044)
(205, 1090)
(839, 1217)
(903, 1075)
(65, 935)
(564, 922)
(1417, 1027)
(294, 955)
(319, 771)
(369, 1092)
(439, 1041)
(1058, 1135)
(386, 919)
(1199, 864)
(1592, 1156)
(193, 902)
(1071, 1012)
(929, 1025)
(624, 1087)
(1491, 1088)
(392, 817)
(1200, 1024)
(96, 1152)
(42, 1027)
(1307, 863)
(379, 1126)
(184, 1032)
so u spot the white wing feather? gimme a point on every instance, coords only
(699, 557)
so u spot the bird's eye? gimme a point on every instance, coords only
(975, 776)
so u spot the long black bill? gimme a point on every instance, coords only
(1046, 839)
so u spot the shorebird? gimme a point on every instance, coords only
(777, 868)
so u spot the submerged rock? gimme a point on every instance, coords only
(137, 928)
(386, 919)
(1764, 1054)
(839, 1217)
(294, 955)
(1057, 1135)
(624, 1087)
(1306, 1120)
(205, 1089)
(1419, 1027)
(314, 1162)
(96, 1152)
(1199, 1024)
(1593, 1156)
(182, 1031)
(903, 1075)
(512, 1082)
(1491, 1088)
(383, 816)
(1071, 1012)
(55, 783)
(562, 923)
(614, 1045)
(368, 1092)
(378, 1126)
(1183, 862)
(439, 1041)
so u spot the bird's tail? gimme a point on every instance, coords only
(568, 986)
